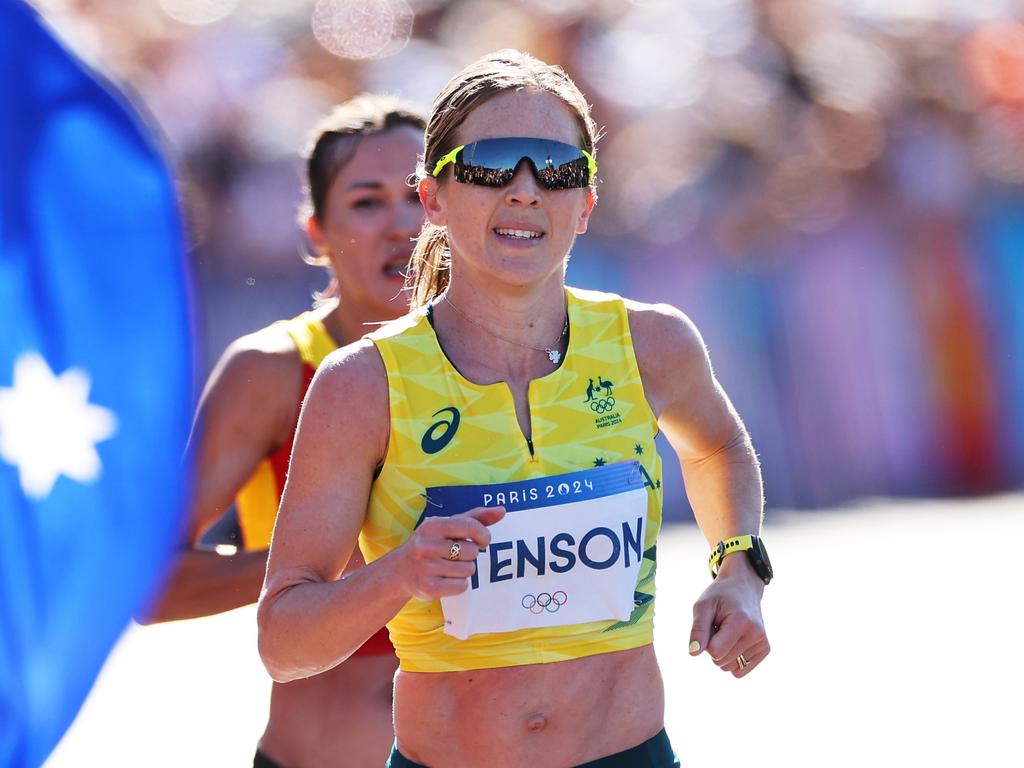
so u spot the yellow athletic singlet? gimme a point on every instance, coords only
(259, 498)
(446, 431)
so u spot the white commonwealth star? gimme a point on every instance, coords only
(48, 428)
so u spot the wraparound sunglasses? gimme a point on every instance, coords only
(493, 162)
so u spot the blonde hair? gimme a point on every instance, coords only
(505, 70)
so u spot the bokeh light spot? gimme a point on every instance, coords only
(995, 58)
(362, 29)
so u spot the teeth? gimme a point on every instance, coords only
(522, 234)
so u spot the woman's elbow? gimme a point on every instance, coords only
(273, 644)
(279, 672)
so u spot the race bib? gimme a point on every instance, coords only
(568, 550)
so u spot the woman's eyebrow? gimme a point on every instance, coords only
(364, 185)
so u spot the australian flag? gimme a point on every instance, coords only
(95, 379)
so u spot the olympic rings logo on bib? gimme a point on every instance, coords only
(602, 405)
(545, 602)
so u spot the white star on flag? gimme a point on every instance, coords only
(48, 428)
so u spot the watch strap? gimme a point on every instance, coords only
(727, 547)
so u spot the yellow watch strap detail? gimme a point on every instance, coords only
(727, 547)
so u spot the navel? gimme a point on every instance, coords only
(536, 723)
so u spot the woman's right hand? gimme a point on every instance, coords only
(426, 568)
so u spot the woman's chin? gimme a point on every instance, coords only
(522, 273)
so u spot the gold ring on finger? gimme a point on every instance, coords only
(741, 661)
(455, 551)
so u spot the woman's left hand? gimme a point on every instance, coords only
(727, 619)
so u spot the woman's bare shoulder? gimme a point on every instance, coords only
(662, 328)
(266, 359)
(668, 347)
(256, 384)
(348, 398)
(357, 367)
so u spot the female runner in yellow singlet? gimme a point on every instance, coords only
(493, 455)
(363, 216)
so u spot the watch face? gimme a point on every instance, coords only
(759, 557)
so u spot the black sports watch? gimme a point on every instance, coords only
(756, 553)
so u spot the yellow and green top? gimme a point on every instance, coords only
(447, 431)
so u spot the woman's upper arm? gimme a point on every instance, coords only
(692, 409)
(246, 410)
(341, 439)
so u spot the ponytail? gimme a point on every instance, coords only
(429, 266)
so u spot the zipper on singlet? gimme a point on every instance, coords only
(529, 444)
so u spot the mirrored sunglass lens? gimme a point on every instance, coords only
(570, 175)
(483, 176)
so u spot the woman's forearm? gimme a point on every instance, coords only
(307, 626)
(725, 490)
(204, 583)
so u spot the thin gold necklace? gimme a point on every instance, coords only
(553, 354)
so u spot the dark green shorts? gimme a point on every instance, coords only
(262, 761)
(656, 752)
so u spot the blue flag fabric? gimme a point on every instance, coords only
(95, 379)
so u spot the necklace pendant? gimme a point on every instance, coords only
(554, 356)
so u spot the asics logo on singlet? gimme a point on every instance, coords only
(545, 602)
(433, 440)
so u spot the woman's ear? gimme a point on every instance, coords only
(584, 218)
(432, 199)
(317, 242)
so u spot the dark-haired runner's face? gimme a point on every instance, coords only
(518, 234)
(370, 218)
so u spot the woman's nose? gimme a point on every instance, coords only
(523, 189)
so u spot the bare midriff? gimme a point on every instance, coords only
(345, 711)
(559, 714)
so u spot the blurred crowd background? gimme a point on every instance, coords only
(832, 189)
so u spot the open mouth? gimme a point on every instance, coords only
(396, 267)
(519, 235)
